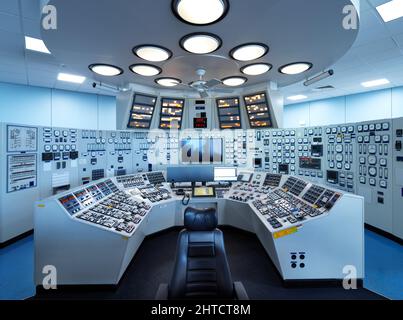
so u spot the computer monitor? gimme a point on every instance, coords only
(225, 174)
(195, 173)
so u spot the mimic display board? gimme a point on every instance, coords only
(21, 139)
(171, 113)
(258, 111)
(202, 150)
(142, 111)
(22, 172)
(229, 114)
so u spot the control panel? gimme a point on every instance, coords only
(374, 141)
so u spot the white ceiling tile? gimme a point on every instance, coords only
(32, 28)
(11, 44)
(371, 28)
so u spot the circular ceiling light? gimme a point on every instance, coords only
(200, 43)
(200, 12)
(152, 53)
(256, 69)
(249, 51)
(105, 69)
(168, 82)
(146, 70)
(234, 81)
(295, 68)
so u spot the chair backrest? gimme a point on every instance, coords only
(201, 267)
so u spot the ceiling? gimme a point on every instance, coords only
(376, 53)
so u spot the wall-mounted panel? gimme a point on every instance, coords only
(171, 113)
(142, 111)
(229, 113)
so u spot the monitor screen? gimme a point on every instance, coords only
(332, 177)
(283, 168)
(203, 192)
(310, 163)
(225, 174)
(245, 176)
(190, 173)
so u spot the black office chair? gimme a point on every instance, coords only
(201, 268)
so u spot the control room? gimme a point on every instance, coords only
(201, 149)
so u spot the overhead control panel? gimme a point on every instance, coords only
(142, 111)
(258, 111)
(171, 113)
(229, 113)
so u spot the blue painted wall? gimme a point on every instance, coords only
(374, 105)
(51, 107)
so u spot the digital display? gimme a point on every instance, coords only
(317, 150)
(225, 174)
(200, 123)
(245, 177)
(283, 168)
(203, 192)
(257, 162)
(310, 163)
(332, 177)
(209, 150)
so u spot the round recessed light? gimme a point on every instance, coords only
(249, 51)
(146, 70)
(256, 69)
(295, 68)
(152, 53)
(105, 69)
(168, 82)
(200, 12)
(234, 81)
(200, 43)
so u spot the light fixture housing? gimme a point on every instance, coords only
(200, 12)
(167, 81)
(391, 10)
(319, 77)
(234, 81)
(200, 43)
(66, 77)
(35, 44)
(297, 97)
(146, 70)
(375, 83)
(249, 51)
(106, 70)
(295, 68)
(256, 69)
(152, 52)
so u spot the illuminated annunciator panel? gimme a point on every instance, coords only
(258, 111)
(229, 114)
(142, 111)
(171, 113)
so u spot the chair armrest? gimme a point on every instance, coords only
(162, 293)
(240, 291)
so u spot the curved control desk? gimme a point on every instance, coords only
(91, 233)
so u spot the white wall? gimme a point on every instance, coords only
(58, 108)
(374, 105)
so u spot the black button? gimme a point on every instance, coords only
(302, 257)
(302, 265)
(293, 257)
(293, 265)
